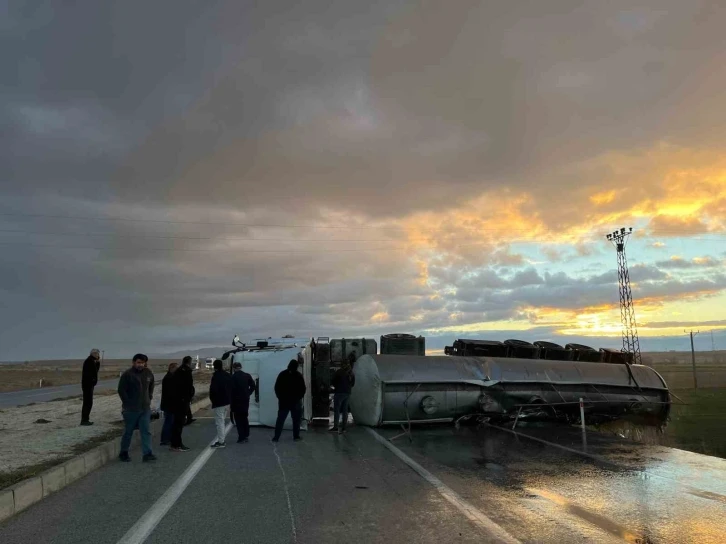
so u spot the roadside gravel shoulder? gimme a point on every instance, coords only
(42, 434)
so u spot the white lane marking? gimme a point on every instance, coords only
(469, 510)
(287, 494)
(148, 522)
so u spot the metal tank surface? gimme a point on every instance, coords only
(341, 348)
(392, 389)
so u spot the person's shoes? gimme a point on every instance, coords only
(297, 438)
(184, 448)
(343, 430)
(190, 421)
(124, 456)
(164, 443)
(86, 423)
(149, 457)
(242, 440)
(333, 429)
(275, 439)
(218, 445)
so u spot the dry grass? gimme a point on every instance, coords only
(16, 377)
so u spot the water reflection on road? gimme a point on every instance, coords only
(620, 492)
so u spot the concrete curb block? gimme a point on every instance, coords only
(7, 504)
(53, 480)
(27, 492)
(20, 496)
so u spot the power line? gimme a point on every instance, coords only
(287, 239)
(322, 250)
(271, 225)
(115, 235)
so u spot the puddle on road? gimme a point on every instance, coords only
(591, 517)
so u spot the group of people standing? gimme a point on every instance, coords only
(231, 392)
(177, 392)
(136, 390)
(227, 392)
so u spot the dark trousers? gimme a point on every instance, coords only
(177, 426)
(87, 402)
(340, 406)
(168, 424)
(295, 411)
(241, 419)
(137, 420)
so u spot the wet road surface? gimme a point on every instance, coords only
(28, 396)
(331, 488)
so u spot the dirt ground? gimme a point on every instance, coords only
(40, 434)
(24, 441)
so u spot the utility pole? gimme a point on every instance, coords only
(631, 343)
(713, 349)
(693, 359)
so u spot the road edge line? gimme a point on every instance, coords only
(472, 513)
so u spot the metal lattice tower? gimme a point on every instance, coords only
(631, 344)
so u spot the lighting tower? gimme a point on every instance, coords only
(631, 344)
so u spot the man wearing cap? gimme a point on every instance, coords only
(243, 385)
(89, 379)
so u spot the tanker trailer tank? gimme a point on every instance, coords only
(393, 389)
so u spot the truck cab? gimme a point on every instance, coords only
(264, 360)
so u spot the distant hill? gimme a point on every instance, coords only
(202, 352)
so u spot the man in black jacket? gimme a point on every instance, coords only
(290, 389)
(243, 385)
(183, 392)
(89, 379)
(167, 404)
(187, 362)
(220, 393)
(343, 381)
(136, 389)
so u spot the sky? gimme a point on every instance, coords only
(175, 173)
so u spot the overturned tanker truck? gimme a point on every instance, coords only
(517, 381)
(499, 381)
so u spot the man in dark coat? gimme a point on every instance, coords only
(290, 389)
(243, 386)
(183, 392)
(187, 361)
(136, 389)
(167, 404)
(220, 393)
(89, 379)
(343, 381)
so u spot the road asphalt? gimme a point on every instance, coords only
(352, 488)
(28, 396)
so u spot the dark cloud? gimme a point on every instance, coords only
(397, 137)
